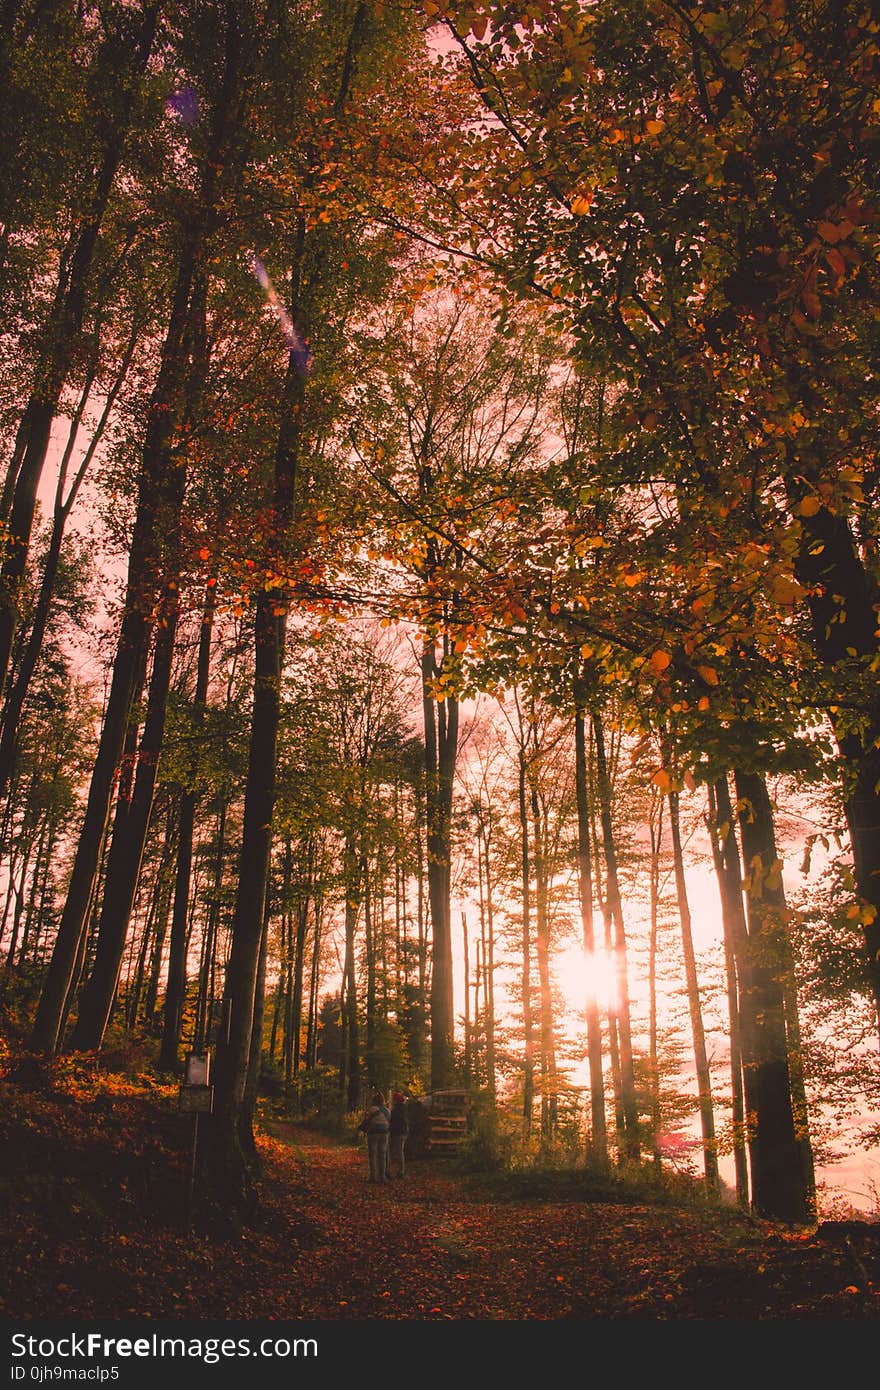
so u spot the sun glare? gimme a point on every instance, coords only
(585, 977)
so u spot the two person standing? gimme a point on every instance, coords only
(386, 1132)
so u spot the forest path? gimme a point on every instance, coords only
(93, 1224)
(429, 1247)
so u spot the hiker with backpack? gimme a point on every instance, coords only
(375, 1126)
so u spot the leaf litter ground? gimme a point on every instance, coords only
(94, 1225)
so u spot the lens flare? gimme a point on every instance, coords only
(184, 104)
(300, 353)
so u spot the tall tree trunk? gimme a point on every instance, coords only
(299, 954)
(627, 1075)
(255, 1052)
(127, 849)
(487, 931)
(164, 890)
(598, 1128)
(549, 1099)
(441, 748)
(725, 857)
(175, 992)
(656, 833)
(701, 1059)
(314, 989)
(528, 1028)
(766, 878)
(227, 1160)
(204, 1000)
(369, 970)
(351, 1072)
(779, 1188)
(468, 1058)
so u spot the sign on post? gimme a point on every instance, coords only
(196, 1094)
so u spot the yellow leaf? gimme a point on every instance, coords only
(582, 202)
(661, 779)
(786, 591)
(556, 291)
(654, 127)
(709, 674)
(809, 506)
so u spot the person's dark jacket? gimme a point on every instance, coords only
(399, 1123)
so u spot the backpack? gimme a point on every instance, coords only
(375, 1121)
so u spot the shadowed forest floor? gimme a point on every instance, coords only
(93, 1224)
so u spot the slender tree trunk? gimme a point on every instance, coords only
(725, 856)
(127, 849)
(163, 911)
(255, 1053)
(419, 1012)
(228, 1167)
(549, 1101)
(598, 1128)
(627, 1075)
(441, 747)
(175, 993)
(528, 1031)
(314, 990)
(612, 1006)
(656, 832)
(369, 970)
(299, 952)
(468, 1058)
(487, 926)
(701, 1059)
(204, 1002)
(351, 1075)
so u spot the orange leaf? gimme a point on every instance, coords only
(835, 231)
(659, 662)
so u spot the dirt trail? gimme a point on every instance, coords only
(427, 1248)
(92, 1223)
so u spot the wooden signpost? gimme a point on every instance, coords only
(196, 1097)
